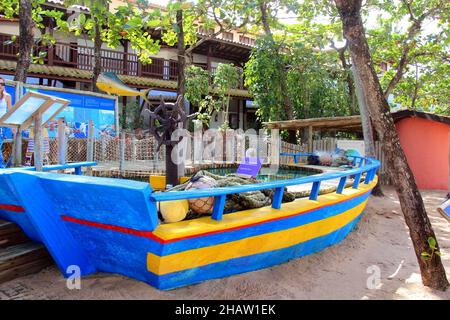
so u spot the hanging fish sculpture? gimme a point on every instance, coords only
(110, 83)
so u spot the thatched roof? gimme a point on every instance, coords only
(350, 123)
(335, 123)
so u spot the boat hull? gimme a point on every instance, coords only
(191, 251)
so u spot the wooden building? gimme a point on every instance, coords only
(69, 64)
(425, 139)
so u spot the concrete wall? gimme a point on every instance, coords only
(426, 145)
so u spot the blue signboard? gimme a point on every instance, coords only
(81, 109)
(12, 92)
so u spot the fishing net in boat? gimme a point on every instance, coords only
(238, 201)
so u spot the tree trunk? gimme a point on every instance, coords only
(348, 78)
(420, 229)
(181, 54)
(172, 169)
(369, 142)
(264, 19)
(97, 56)
(26, 25)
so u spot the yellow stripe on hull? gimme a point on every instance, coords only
(202, 225)
(251, 245)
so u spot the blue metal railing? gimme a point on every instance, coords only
(53, 167)
(369, 166)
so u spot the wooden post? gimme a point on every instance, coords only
(133, 148)
(103, 148)
(17, 152)
(125, 57)
(90, 146)
(116, 115)
(122, 152)
(198, 150)
(310, 139)
(38, 141)
(50, 54)
(62, 143)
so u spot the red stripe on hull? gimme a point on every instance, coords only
(11, 207)
(152, 236)
(139, 233)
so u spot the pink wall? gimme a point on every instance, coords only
(426, 144)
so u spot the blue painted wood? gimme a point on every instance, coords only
(354, 161)
(314, 191)
(249, 263)
(341, 185)
(212, 192)
(277, 198)
(219, 205)
(373, 172)
(263, 227)
(300, 154)
(119, 202)
(361, 162)
(55, 167)
(73, 165)
(356, 181)
(47, 221)
(368, 177)
(78, 171)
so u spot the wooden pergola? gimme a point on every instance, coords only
(349, 123)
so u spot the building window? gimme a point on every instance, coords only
(246, 40)
(227, 36)
(205, 31)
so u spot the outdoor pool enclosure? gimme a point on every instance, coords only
(111, 225)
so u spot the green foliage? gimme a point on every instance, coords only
(432, 243)
(132, 117)
(263, 75)
(314, 83)
(130, 23)
(10, 9)
(416, 32)
(411, 36)
(197, 84)
(226, 78)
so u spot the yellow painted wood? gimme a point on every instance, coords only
(206, 224)
(251, 245)
(159, 182)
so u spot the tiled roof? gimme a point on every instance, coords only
(74, 73)
(61, 3)
(220, 39)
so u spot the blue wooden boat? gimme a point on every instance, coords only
(111, 225)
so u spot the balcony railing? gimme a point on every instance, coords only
(72, 55)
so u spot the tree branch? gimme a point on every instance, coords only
(413, 30)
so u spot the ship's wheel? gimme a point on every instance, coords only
(164, 119)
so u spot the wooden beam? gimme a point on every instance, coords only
(310, 139)
(62, 146)
(38, 141)
(316, 122)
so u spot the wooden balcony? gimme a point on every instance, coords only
(81, 57)
(72, 55)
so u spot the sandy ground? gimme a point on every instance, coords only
(345, 271)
